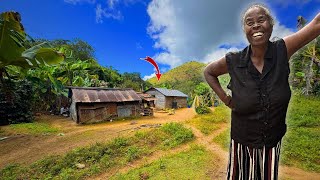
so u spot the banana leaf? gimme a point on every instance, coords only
(12, 37)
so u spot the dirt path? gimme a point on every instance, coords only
(25, 149)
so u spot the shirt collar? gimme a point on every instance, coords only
(245, 55)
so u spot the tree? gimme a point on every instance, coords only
(134, 81)
(16, 49)
(304, 60)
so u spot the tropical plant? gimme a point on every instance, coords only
(306, 65)
(15, 48)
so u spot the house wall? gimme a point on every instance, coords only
(128, 109)
(97, 112)
(169, 101)
(160, 103)
(73, 111)
(181, 102)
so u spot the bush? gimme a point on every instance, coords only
(16, 99)
(203, 110)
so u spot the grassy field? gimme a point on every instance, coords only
(195, 163)
(301, 143)
(223, 139)
(208, 123)
(101, 157)
(36, 128)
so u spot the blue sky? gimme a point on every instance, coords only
(171, 31)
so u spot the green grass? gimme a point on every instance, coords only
(35, 128)
(301, 144)
(195, 163)
(223, 139)
(208, 123)
(101, 156)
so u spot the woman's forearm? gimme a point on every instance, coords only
(214, 83)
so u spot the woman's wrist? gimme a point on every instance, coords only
(227, 100)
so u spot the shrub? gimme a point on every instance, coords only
(16, 99)
(203, 110)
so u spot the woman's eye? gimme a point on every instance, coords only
(250, 23)
(261, 20)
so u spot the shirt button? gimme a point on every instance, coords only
(265, 123)
(263, 95)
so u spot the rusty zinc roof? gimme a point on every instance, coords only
(88, 94)
(146, 96)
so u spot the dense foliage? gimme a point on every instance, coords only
(305, 66)
(50, 66)
(15, 108)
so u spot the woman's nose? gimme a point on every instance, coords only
(256, 25)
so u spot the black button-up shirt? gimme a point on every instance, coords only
(260, 99)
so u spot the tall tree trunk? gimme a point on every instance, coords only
(309, 70)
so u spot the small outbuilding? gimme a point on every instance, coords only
(94, 104)
(147, 103)
(168, 98)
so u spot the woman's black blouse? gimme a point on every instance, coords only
(260, 99)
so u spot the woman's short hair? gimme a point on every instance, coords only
(263, 7)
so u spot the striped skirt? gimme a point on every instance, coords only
(247, 163)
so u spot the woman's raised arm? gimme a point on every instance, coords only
(297, 40)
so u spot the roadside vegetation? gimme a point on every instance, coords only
(36, 128)
(100, 157)
(223, 139)
(301, 144)
(195, 163)
(208, 123)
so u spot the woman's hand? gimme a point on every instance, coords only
(228, 101)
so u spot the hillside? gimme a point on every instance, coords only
(185, 78)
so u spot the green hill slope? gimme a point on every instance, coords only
(184, 78)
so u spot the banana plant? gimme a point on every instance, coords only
(15, 48)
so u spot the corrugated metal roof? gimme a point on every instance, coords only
(146, 96)
(82, 94)
(170, 92)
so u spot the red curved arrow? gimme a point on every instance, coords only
(150, 60)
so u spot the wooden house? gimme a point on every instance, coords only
(168, 98)
(94, 104)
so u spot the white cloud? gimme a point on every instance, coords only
(146, 77)
(104, 12)
(280, 30)
(218, 53)
(186, 30)
(108, 9)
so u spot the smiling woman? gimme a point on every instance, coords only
(260, 93)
